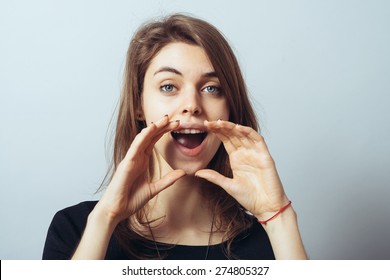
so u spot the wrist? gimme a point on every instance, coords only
(102, 218)
(265, 217)
(286, 218)
(284, 235)
(96, 236)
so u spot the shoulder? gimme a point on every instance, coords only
(80, 209)
(65, 230)
(76, 215)
(74, 218)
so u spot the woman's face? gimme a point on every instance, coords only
(181, 83)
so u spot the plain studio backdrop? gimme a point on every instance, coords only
(318, 73)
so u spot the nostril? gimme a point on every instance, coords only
(191, 110)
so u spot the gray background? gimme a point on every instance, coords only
(318, 73)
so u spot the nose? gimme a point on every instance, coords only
(191, 109)
(191, 103)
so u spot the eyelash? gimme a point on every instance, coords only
(164, 88)
(216, 89)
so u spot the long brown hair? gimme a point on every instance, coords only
(145, 44)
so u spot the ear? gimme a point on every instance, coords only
(139, 115)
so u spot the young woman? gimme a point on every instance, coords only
(192, 178)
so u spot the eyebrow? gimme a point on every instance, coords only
(211, 74)
(168, 69)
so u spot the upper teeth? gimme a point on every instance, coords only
(188, 131)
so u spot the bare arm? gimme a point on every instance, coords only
(94, 242)
(285, 237)
(128, 191)
(256, 186)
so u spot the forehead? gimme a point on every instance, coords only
(183, 57)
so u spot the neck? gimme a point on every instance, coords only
(181, 204)
(181, 212)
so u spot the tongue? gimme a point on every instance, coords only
(189, 141)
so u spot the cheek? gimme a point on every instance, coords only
(153, 110)
(218, 110)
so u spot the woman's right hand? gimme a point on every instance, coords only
(130, 188)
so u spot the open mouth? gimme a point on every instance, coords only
(189, 138)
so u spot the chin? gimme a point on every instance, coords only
(189, 167)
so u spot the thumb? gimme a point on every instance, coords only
(214, 177)
(167, 180)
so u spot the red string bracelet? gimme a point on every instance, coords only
(277, 213)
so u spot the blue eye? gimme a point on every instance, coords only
(167, 88)
(212, 89)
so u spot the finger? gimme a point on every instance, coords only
(164, 125)
(147, 136)
(166, 181)
(228, 144)
(229, 130)
(246, 135)
(240, 130)
(171, 126)
(250, 132)
(215, 178)
(255, 138)
(258, 140)
(259, 143)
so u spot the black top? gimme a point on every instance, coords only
(67, 227)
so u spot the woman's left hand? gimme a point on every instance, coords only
(255, 184)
